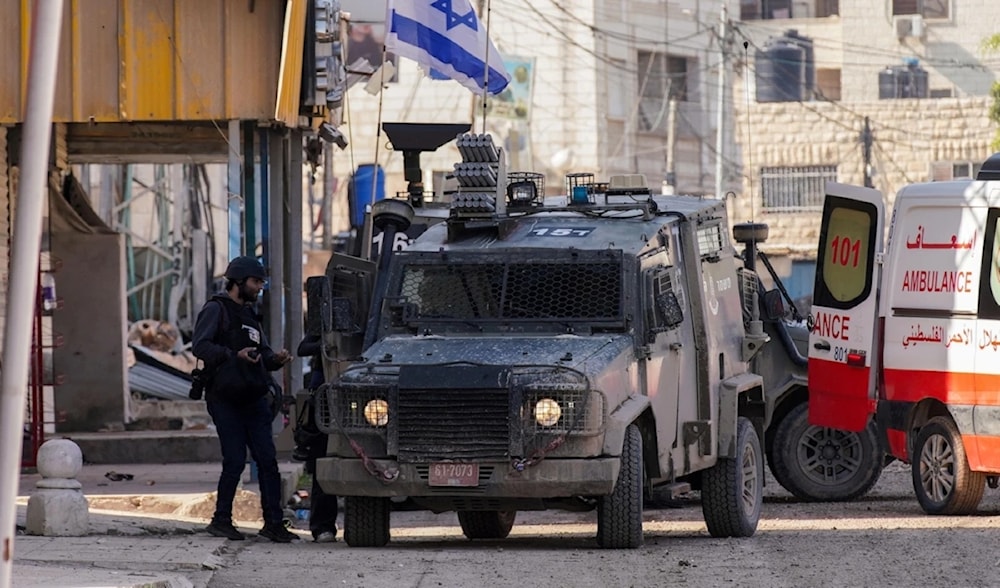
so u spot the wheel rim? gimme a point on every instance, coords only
(828, 456)
(937, 468)
(749, 467)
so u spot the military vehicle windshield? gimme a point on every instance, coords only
(475, 290)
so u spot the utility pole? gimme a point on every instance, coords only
(867, 138)
(46, 24)
(670, 181)
(720, 114)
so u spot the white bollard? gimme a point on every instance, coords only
(58, 508)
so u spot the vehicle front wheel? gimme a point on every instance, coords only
(486, 524)
(619, 515)
(732, 490)
(366, 521)
(823, 464)
(942, 480)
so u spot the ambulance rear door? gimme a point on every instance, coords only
(842, 338)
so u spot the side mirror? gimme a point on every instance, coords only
(319, 313)
(774, 305)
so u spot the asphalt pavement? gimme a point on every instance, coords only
(146, 528)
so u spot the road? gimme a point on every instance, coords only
(882, 540)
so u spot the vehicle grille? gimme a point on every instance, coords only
(452, 424)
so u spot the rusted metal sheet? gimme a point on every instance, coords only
(152, 60)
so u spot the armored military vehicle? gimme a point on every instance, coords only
(578, 352)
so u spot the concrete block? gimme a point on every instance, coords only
(57, 507)
(58, 513)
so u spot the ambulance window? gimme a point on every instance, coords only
(989, 287)
(845, 261)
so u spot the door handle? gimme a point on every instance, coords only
(821, 345)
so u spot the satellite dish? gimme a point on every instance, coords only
(562, 160)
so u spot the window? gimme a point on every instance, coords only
(667, 311)
(828, 83)
(794, 189)
(942, 171)
(925, 8)
(711, 240)
(846, 251)
(770, 9)
(989, 290)
(660, 78)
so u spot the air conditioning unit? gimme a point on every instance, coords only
(909, 25)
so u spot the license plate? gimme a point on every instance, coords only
(453, 474)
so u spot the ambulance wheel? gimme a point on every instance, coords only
(823, 464)
(619, 515)
(486, 524)
(942, 480)
(732, 491)
(366, 521)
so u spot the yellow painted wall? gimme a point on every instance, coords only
(151, 60)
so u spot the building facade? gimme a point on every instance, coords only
(890, 93)
(634, 87)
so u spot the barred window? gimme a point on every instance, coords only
(711, 240)
(565, 286)
(795, 189)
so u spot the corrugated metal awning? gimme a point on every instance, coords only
(290, 75)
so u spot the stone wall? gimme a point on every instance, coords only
(909, 137)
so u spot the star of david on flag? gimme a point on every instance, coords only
(445, 35)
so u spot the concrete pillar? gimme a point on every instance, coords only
(58, 508)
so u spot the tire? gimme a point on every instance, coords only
(942, 480)
(486, 524)
(619, 514)
(822, 464)
(366, 521)
(732, 490)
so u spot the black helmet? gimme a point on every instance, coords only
(243, 267)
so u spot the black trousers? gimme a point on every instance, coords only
(240, 427)
(323, 507)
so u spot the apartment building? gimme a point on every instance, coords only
(913, 69)
(600, 86)
(611, 87)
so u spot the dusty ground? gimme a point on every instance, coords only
(882, 540)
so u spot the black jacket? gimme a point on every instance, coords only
(210, 342)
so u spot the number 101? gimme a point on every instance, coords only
(845, 251)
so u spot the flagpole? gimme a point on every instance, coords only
(378, 126)
(486, 61)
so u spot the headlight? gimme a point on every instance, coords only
(377, 412)
(547, 412)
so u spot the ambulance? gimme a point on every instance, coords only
(909, 334)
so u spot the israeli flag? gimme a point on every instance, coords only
(447, 36)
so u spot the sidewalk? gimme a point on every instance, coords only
(147, 531)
